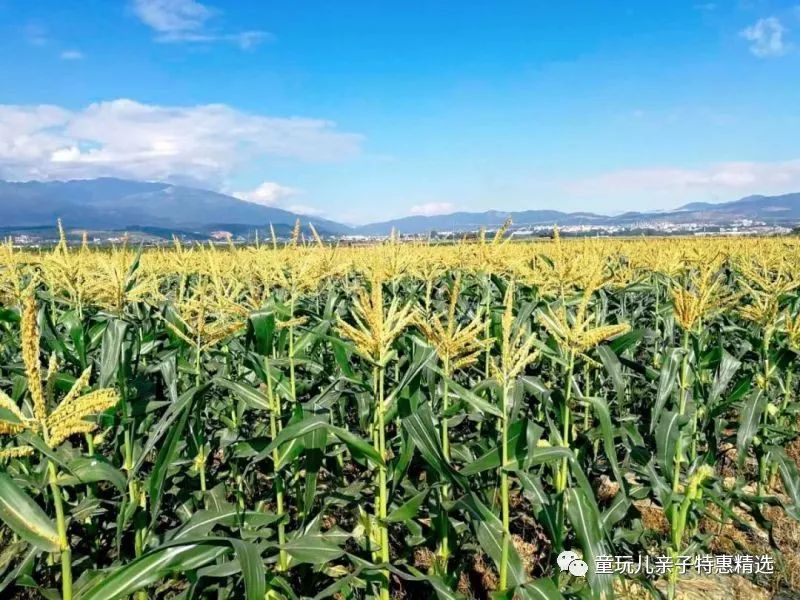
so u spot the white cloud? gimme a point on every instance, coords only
(432, 208)
(202, 144)
(168, 16)
(766, 37)
(187, 21)
(268, 193)
(71, 55)
(723, 181)
(304, 209)
(248, 39)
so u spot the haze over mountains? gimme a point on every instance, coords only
(119, 204)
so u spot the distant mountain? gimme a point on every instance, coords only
(118, 204)
(770, 209)
(109, 203)
(466, 221)
(766, 208)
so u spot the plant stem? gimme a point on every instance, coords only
(562, 475)
(197, 374)
(138, 540)
(684, 390)
(138, 534)
(274, 428)
(656, 340)
(444, 549)
(198, 377)
(762, 456)
(504, 490)
(292, 384)
(561, 479)
(382, 489)
(61, 524)
(487, 328)
(677, 515)
(202, 463)
(781, 418)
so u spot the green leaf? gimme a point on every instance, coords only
(297, 430)
(262, 324)
(727, 369)
(422, 430)
(667, 432)
(31, 439)
(253, 571)
(549, 454)
(604, 416)
(166, 422)
(356, 444)
(251, 396)
(408, 510)
(308, 338)
(341, 355)
(666, 383)
(312, 548)
(626, 341)
(203, 521)
(614, 369)
(74, 327)
(749, 418)
(471, 398)
(315, 443)
(489, 531)
(440, 587)
(8, 416)
(111, 351)
(585, 518)
(790, 478)
(149, 568)
(92, 469)
(518, 444)
(25, 517)
(541, 589)
(24, 565)
(474, 400)
(310, 424)
(615, 513)
(420, 360)
(164, 460)
(533, 488)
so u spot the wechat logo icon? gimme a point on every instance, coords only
(570, 561)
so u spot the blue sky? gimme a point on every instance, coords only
(370, 110)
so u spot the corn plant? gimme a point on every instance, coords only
(402, 419)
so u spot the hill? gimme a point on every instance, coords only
(773, 210)
(119, 205)
(109, 203)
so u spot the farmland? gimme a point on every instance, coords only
(397, 420)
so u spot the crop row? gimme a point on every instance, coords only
(307, 420)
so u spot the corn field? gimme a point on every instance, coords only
(400, 420)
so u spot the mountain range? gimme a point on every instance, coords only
(109, 203)
(118, 204)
